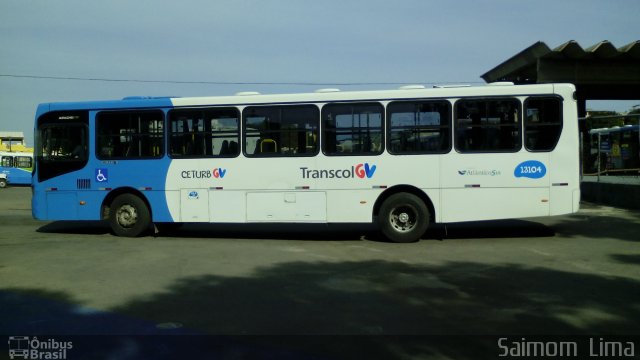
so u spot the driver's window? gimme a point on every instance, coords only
(59, 142)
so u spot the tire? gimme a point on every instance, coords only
(3, 183)
(403, 218)
(129, 216)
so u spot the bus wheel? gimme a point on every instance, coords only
(129, 216)
(3, 183)
(403, 218)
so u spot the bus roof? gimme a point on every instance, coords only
(323, 95)
(615, 129)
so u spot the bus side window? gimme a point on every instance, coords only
(353, 129)
(7, 161)
(130, 134)
(419, 127)
(24, 162)
(488, 125)
(542, 123)
(203, 133)
(281, 130)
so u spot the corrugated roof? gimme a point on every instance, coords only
(524, 63)
(601, 50)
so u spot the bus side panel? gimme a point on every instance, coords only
(350, 206)
(498, 203)
(65, 202)
(233, 189)
(565, 179)
(62, 205)
(66, 197)
(490, 186)
(352, 199)
(194, 205)
(565, 189)
(158, 202)
(73, 205)
(16, 176)
(289, 206)
(227, 206)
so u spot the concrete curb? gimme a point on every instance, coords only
(618, 195)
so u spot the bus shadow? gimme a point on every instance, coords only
(513, 228)
(303, 232)
(510, 228)
(76, 227)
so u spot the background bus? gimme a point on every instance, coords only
(615, 150)
(17, 167)
(398, 158)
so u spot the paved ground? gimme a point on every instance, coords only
(577, 274)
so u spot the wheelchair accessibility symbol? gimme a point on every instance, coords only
(102, 175)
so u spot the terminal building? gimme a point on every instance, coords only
(13, 141)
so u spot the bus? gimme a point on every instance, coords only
(401, 159)
(16, 168)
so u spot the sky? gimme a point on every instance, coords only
(220, 47)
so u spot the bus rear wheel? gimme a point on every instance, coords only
(129, 216)
(403, 218)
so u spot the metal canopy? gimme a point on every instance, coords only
(601, 71)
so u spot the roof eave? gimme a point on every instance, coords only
(525, 58)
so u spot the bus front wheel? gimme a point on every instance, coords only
(3, 183)
(129, 216)
(403, 218)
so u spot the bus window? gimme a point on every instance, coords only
(488, 125)
(64, 143)
(281, 130)
(419, 127)
(23, 162)
(542, 123)
(62, 140)
(7, 161)
(204, 132)
(352, 129)
(130, 134)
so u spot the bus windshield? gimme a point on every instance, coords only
(61, 148)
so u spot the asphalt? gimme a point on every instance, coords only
(248, 288)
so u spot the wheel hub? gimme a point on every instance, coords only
(127, 216)
(403, 219)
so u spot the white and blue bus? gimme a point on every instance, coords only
(15, 168)
(401, 159)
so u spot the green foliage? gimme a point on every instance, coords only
(597, 119)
